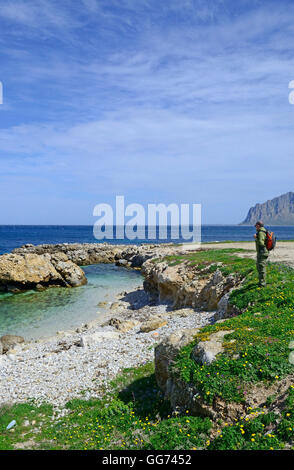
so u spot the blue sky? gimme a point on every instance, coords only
(166, 101)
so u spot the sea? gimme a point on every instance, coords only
(13, 236)
(35, 315)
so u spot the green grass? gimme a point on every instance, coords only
(209, 259)
(38, 417)
(134, 416)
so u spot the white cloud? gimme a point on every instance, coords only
(128, 105)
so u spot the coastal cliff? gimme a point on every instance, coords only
(278, 211)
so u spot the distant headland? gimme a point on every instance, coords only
(277, 211)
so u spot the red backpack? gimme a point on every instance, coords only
(270, 241)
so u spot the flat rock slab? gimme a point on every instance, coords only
(98, 337)
(152, 324)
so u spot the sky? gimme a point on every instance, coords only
(162, 101)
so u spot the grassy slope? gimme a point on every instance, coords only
(135, 415)
(261, 334)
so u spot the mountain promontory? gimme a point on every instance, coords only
(277, 211)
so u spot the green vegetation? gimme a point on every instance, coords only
(260, 431)
(29, 418)
(211, 260)
(134, 415)
(258, 348)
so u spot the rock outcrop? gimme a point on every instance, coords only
(7, 342)
(70, 272)
(277, 211)
(29, 270)
(45, 265)
(205, 352)
(185, 396)
(84, 254)
(184, 285)
(166, 352)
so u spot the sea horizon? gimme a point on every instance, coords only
(15, 236)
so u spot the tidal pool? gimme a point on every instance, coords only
(40, 314)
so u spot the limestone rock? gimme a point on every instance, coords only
(30, 270)
(166, 352)
(277, 211)
(122, 262)
(122, 325)
(138, 260)
(152, 324)
(72, 274)
(113, 322)
(39, 287)
(127, 325)
(98, 337)
(115, 305)
(205, 352)
(216, 288)
(27, 270)
(92, 253)
(185, 285)
(9, 341)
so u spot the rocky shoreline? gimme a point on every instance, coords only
(80, 363)
(160, 321)
(42, 266)
(94, 253)
(83, 361)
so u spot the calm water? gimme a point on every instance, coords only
(12, 236)
(37, 314)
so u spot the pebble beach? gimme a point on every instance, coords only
(80, 363)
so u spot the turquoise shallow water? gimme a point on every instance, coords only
(39, 314)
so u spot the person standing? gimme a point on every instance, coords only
(261, 252)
